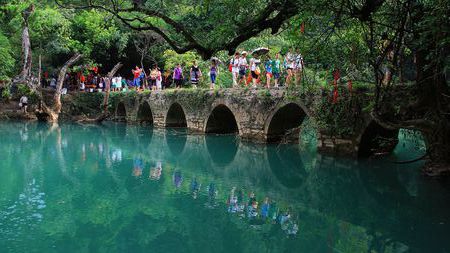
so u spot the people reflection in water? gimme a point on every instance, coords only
(116, 155)
(195, 188)
(266, 213)
(265, 208)
(177, 179)
(155, 173)
(288, 224)
(233, 206)
(138, 164)
(83, 152)
(240, 200)
(252, 206)
(212, 194)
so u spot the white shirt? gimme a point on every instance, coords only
(24, 100)
(53, 82)
(299, 62)
(243, 62)
(290, 60)
(235, 65)
(253, 63)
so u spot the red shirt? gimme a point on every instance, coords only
(137, 73)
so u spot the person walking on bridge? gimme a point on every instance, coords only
(243, 66)
(276, 69)
(137, 77)
(178, 76)
(234, 64)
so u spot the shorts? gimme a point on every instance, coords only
(178, 82)
(254, 75)
(137, 82)
(242, 73)
(152, 82)
(213, 78)
(269, 74)
(24, 104)
(276, 75)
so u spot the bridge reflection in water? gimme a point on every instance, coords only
(105, 180)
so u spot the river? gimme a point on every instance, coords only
(127, 188)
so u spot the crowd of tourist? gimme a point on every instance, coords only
(258, 69)
(250, 72)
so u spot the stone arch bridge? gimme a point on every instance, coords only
(258, 115)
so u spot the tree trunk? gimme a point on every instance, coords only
(108, 86)
(25, 75)
(27, 54)
(40, 71)
(62, 73)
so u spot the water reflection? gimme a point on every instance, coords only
(287, 165)
(222, 149)
(176, 141)
(96, 186)
(177, 179)
(155, 173)
(138, 166)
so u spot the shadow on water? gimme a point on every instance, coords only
(287, 165)
(222, 149)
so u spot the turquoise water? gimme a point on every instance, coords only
(118, 188)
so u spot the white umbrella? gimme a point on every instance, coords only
(260, 51)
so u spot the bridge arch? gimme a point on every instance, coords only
(221, 120)
(121, 112)
(175, 116)
(376, 139)
(144, 114)
(284, 123)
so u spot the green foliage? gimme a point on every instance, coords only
(6, 59)
(95, 33)
(172, 59)
(6, 94)
(50, 30)
(342, 118)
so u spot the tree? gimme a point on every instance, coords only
(418, 30)
(143, 42)
(206, 28)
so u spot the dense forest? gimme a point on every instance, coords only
(384, 44)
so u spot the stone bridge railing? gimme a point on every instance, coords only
(257, 115)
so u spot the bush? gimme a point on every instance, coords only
(6, 94)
